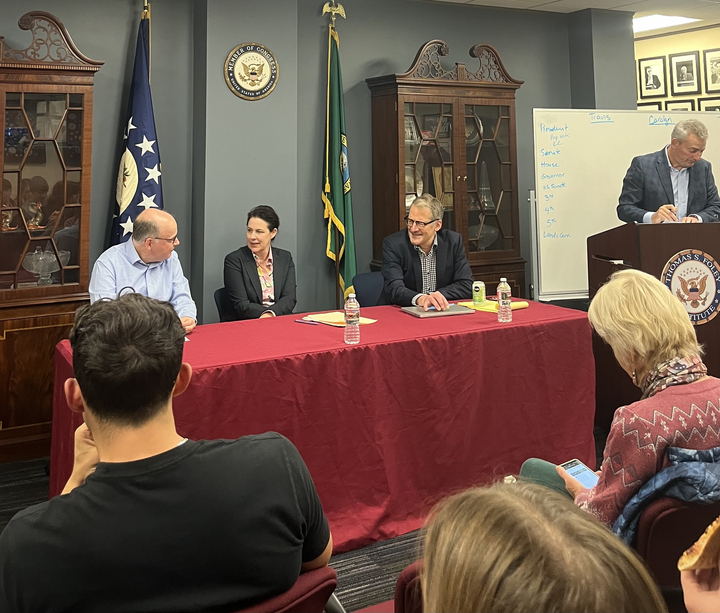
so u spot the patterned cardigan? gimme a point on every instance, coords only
(684, 416)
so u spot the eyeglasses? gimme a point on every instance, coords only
(169, 240)
(420, 224)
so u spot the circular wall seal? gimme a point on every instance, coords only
(251, 71)
(693, 276)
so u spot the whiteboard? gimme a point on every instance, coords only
(581, 157)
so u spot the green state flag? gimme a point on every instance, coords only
(336, 195)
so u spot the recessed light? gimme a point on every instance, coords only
(654, 22)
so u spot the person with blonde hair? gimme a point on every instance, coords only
(654, 342)
(518, 547)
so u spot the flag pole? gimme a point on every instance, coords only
(338, 231)
(146, 15)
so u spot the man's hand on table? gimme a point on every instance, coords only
(188, 323)
(690, 219)
(436, 299)
(86, 458)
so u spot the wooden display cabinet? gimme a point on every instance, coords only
(451, 133)
(46, 102)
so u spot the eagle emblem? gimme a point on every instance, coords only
(692, 291)
(252, 73)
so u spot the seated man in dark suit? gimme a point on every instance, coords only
(425, 265)
(674, 184)
(151, 521)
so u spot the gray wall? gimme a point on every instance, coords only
(250, 156)
(602, 67)
(222, 155)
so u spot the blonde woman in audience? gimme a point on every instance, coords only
(518, 547)
(655, 344)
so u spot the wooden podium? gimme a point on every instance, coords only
(646, 247)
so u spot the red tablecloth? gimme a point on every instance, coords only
(419, 409)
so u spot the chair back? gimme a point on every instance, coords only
(368, 287)
(408, 595)
(309, 594)
(224, 306)
(667, 527)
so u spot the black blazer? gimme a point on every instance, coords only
(647, 186)
(402, 272)
(243, 284)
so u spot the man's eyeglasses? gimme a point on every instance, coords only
(420, 224)
(169, 240)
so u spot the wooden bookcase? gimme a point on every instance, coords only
(451, 133)
(46, 104)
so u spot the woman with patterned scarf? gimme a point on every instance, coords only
(654, 342)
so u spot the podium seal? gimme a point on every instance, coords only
(694, 277)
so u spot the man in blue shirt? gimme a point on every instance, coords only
(148, 264)
(673, 184)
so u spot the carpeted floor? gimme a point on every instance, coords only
(21, 484)
(367, 576)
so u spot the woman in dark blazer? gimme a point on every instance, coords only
(259, 278)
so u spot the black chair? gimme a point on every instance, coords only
(368, 287)
(224, 306)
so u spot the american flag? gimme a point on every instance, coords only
(139, 184)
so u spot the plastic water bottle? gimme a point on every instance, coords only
(504, 305)
(352, 321)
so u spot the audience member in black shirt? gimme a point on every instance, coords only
(150, 521)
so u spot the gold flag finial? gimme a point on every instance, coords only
(334, 9)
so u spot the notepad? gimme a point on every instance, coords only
(335, 318)
(490, 306)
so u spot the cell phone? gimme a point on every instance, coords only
(577, 470)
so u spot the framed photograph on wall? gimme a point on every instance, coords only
(652, 77)
(709, 104)
(684, 73)
(680, 105)
(651, 106)
(711, 64)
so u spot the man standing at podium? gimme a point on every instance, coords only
(674, 184)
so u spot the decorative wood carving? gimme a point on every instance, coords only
(426, 64)
(51, 46)
(491, 67)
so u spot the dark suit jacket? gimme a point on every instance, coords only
(647, 186)
(243, 284)
(402, 272)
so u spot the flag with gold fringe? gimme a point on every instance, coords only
(336, 193)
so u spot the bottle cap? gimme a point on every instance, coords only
(503, 280)
(351, 295)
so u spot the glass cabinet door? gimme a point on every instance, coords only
(429, 162)
(42, 169)
(489, 178)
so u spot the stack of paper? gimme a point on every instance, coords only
(490, 306)
(336, 318)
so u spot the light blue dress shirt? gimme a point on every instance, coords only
(680, 183)
(121, 266)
